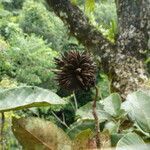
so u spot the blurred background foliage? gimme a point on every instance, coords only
(30, 38)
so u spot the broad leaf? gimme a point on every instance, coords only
(138, 107)
(84, 140)
(115, 138)
(112, 104)
(79, 126)
(27, 96)
(85, 112)
(131, 141)
(104, 86)
(37, 134)
(112, 127)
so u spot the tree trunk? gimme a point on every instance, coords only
(122, 61)
(132, 44)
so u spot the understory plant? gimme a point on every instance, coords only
(100, 124)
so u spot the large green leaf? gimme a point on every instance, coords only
(37, 134)
(138, 107)
(82, 140)
(85, 112)
(131, 141)
(27, 96)
(112, 104)
(112, 126)
(115, 138)
(79, 126)
(104, 86)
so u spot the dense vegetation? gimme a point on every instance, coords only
(31, 36)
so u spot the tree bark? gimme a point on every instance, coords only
(133, 26)
(122, 61)
(132, 43)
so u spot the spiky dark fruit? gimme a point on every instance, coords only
(76, 70)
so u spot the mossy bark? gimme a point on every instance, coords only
(122, 60)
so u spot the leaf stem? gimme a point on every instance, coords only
(97, 127)
(75, 101)
(62, 122)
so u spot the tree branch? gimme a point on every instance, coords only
(80, 27)
(119, 61)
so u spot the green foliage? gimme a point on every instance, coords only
(81, 141)
(105, 12)
(106, 108)
(7, 82)
(112, 121)
(32, 60)
(27, 58)
(104, 17)
(26, 97)
(79, 126)
(9, 29)
(111, 113)
(36, 19)
(12, 5)
(30, 38)
(103, 85)
(112, 127)
(5, 65)
(131, 141)
(85, 112)
(112, 104)
(89, 5)
(137, 106)
(3, 12)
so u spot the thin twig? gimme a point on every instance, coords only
(62, 122)
(97, 127)
(2, 130)
(63, 115)
(75, 100)
(73, 106)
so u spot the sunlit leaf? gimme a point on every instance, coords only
(112, 104)
(26, 97)
(85, 112)
(131, 141)
(138, 107)
(112, 127)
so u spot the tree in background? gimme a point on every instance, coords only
(34, 18)
(123, 59)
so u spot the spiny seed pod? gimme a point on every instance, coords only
(76, 70)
